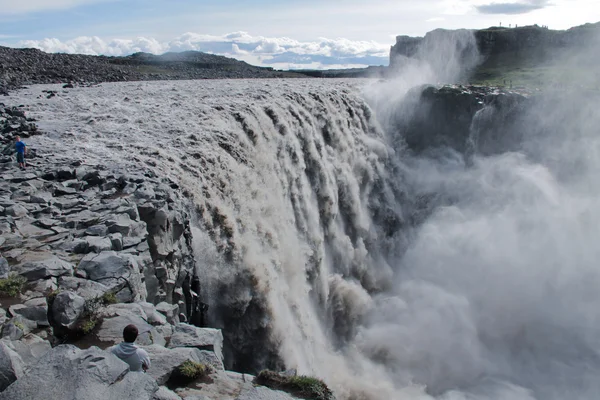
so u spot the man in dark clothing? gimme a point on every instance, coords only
(21, 147)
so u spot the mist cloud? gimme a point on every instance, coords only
(279, 52)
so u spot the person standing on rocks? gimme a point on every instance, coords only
(137, 358)
(21, 147)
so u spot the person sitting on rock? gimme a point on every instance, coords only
(21, 147)
(137, 358)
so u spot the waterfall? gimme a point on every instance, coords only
(325, 245)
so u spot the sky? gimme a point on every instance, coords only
(284, 34)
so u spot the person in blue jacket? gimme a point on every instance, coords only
(21, 147)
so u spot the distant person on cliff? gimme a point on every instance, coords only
(137, 358)
(21, 147)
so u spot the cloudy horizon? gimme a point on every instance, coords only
(282, 35)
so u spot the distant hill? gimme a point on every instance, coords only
(30, 66)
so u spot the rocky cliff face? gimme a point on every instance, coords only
(528, 44)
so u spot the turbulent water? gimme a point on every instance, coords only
(325, 245)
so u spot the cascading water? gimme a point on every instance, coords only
(325, 244)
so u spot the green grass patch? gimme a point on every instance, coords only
(12, 286)
(188, 372)
(109, 298)
(305, 387)
(192, 370)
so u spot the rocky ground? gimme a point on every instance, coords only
(30, 66)
(87, 249)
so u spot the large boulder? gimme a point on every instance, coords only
(67, 308)
(11, 366)
(30, 348)
(69, 373)
(35, 310)
(83, 287)
(111, 329)
(48, 266)
(185, 335)
(163, 361)
(118, 271)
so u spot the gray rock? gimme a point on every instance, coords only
(16, 211)
(65, 204)
(83, 287)
(45, 268)
(67, 308)
(185, 335)
(165, 394)
(34, 310)
(46, 222)
(61, 190)
(111, 330)
(30, 348)
(27, 229)
(117, 241)
(98, 244)
(118, 271)
(41, 197)
(11, 366)
(164, 361)
(67, 372)
(171, 311)
(4, 268)
(77, 246)
(97, 230)
(120, 223)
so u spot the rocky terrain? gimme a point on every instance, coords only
(87, 249)
(30, 66)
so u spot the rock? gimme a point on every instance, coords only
(27, 229)
(171, 311)
(83, 287)
(17, 211)
(45, 268)
(165, 394)
(41, 197)
(67, 308)
(65, 203)
(119, 271)
(111, 330)
(124, 225)
(117, 241)
(30, 348)
(185, 335)
(65, 174)
(61, 190)
(97, 230)
(11, 366)
(4, 268)
(43, 287)
(46, 222)
(77, 246)
(35, 310)
(67, 372)
(93, 178)
(164, 361)
(98, 244)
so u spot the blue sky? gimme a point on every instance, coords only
(283, 34)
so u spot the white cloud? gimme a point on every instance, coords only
(271, 51)
(27, 6)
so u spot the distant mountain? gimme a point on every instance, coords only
(30, 66)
